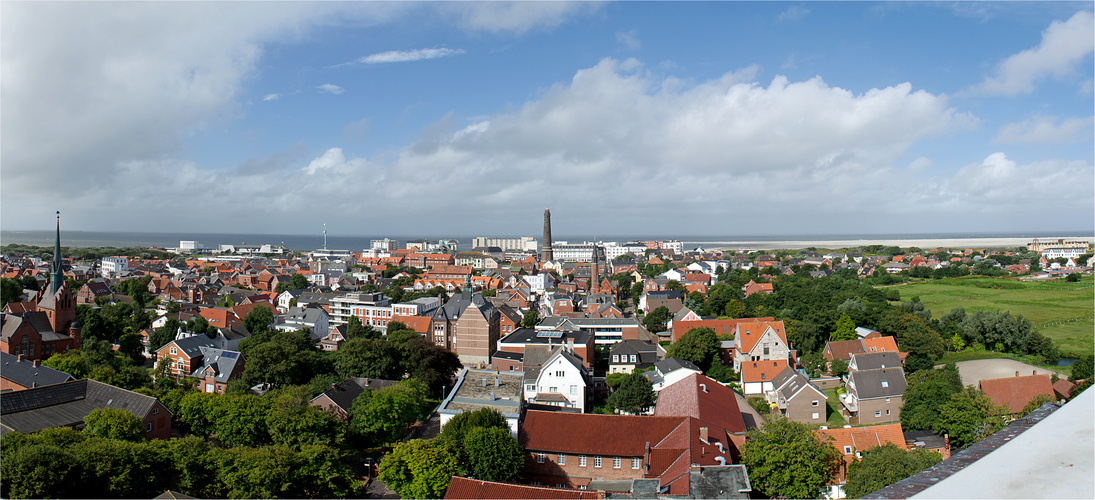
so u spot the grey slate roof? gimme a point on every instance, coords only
(344, 393)
(880, 383)
(875, 360)
(26, 374)
(192, 346)
(37, 320)
(66, 404)
(529, 336)
(221, 361)
(790, 382)
(646, 352)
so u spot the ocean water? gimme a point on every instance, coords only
(359, 242)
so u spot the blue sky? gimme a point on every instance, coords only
(716, 118)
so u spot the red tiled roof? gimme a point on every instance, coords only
(882, 344)
(750, 333)
(1063, 388)
(843, 349)
(761, 371)
(593, 434)
(861, 439)
(462, 487)
(420, 324)
(687, 397)
(1016, 392)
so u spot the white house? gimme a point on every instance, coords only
(668, 371)
(562, 380)
(314, 318)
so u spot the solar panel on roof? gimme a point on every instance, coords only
(231, 355)
(549, 334)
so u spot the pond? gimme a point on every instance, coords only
(1066, 361)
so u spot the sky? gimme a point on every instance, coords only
(637, 118)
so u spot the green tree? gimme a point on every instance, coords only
(531, 317)
(635, 395)
(1083, 368)
(926, 391)
(884, 465)
(838, 367)
(10, 291)
(113, 423)
(259, 320)
(70, 362)
(419, 469)
(298, 282)
(41, 471)
(656, 320)
(457, 428)
(132, 344)
(492, 454)
(294, 422)
(121, 469)
(382, 416)
(845, 328)
(241, 420)
(163, 334)
(372, 358)
(968, 417)
(430, 364)
(1037, 402)
(355, 329)
(788, 458)
(698, 345)
(613, 379)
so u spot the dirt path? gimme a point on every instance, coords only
(980, 369)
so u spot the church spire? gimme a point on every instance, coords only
(57, 275)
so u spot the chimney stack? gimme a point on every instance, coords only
(492, 396)
(1016, 373)
(545, 252)
(496, 381)
(703, 434)
(484, 382)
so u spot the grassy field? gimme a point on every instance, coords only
(1064, 312)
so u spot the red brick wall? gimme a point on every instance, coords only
(572, 475)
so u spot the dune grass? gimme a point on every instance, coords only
(1064, 312)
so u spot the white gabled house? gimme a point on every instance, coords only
(561, 380)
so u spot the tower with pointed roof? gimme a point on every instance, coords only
(52, 327)
(58, 302)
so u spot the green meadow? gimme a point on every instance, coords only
(1064, 312)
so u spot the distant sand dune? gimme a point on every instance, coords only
(926, 244)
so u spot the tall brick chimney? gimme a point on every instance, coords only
(545, 252)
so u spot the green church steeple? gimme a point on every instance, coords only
(57, 275)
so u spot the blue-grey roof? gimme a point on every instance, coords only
(221, 361)
(28, 374)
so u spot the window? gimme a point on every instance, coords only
(581, 460)
(633, 358)
(560, 485)
(148, 427)
(878, 413)
(562, 460)
(887, 412)
(814, 416)
(887, 400)
(155, 411)
(174, 350)
(539, 458)
(30, 351)
(636, 462)
(560, 373)
(885, 383)
(615, 462)
(813, 403)
(615, 358)
(596, 461)
(574, 389)
(553, 389)
(530, 388)
(180, 365)
(847, 450)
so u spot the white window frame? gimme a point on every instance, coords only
(581, 460)
(539, 458)
(597, 462)
(616, 462)
(636, 463)
(562, 459)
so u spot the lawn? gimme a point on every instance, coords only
(832, 410)
(1064, 312)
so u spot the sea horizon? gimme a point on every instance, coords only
(81, 239)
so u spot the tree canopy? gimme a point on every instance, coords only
(419, 469)
(788, 458)
(698, 345)
(655, 321)
(884, 465)
(634, 395)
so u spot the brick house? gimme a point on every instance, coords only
(851, 442)
(18, 374)
(761, 340)
(873, 395)
(184, 355)
(1015, 392)
(340, 397)
(216, 368)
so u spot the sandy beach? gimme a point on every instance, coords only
(926, 244)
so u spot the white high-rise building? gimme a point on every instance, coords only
(522, 244)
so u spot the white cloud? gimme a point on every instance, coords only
(629, 38)
(409, 55)
(514, 17)
(793, 13)
(270, 97)
(1063, 46)
(1045, 130)
(328, 88)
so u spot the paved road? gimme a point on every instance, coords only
(980, 369)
